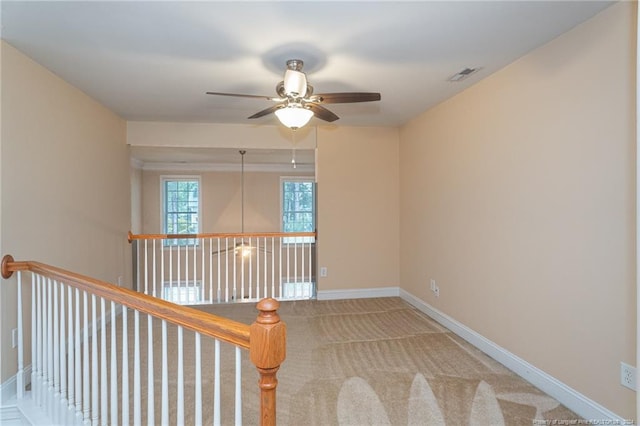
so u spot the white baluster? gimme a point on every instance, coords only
(34, 334)
(139, 265)
(154, 281)
(95, 364)
(104, 385)
(302, 263)
(40, 345)
(86, 402)
(71, 372)
(238, 386)
(125, 368)
(20, 373)
(265, 267)
(179, 277)
(63, 352)
(150, 393)
(257, 268)
(78, 357)
(146, 269)
(226, 269)
(216, 383)
(280, 267)
(211, 274)
(250, 269)
(114, 367)
(288, 263)
(295, 261)
(162, 247)
(180, 384)
(165, 376)
(164, 296)
(198, 394)
(50, 381)
(71, 367)
(219, 266)
(234, 280)
(202, 275)
(56, 400)
(186, 274)
(273, 266)
(137, 415)
(310, 280)
(195, 272)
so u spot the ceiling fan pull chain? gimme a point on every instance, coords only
(293, 148)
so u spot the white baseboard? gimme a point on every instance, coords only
(575, 401)
(360, 293)
(8, 391)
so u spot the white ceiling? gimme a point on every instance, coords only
(154, 61)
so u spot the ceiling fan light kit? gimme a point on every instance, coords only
(294, 116)
(296, 102)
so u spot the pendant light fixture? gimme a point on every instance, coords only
(242, 248)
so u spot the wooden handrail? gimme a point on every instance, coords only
(132, 236)
(192, 319)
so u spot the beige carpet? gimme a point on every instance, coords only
(382, 362)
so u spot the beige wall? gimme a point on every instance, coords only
(518, 197)
(65, 182)
(221, 200)
(358, 207)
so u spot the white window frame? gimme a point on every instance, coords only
(283, 179)
(163, 205)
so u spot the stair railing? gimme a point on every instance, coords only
(80, 345)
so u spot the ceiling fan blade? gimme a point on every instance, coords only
(346, 97)
(266, 111)
(239, 95)
(322, 113)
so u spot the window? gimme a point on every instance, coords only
(181, 207)
(298, 207)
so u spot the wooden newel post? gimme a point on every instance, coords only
(268, 349)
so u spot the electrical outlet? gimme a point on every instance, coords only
(627, 376)
(323, 271)
(14, 338)
(433, 285)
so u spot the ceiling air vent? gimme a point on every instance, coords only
(463, 74)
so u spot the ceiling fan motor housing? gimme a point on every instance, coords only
(295, 83)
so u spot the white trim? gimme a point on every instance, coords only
(8, 390)
(358, 293)
(225, 167)
(33, 414)
(136, 164)
(569, 397)
(10, 415)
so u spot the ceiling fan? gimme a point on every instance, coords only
(296, 103)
